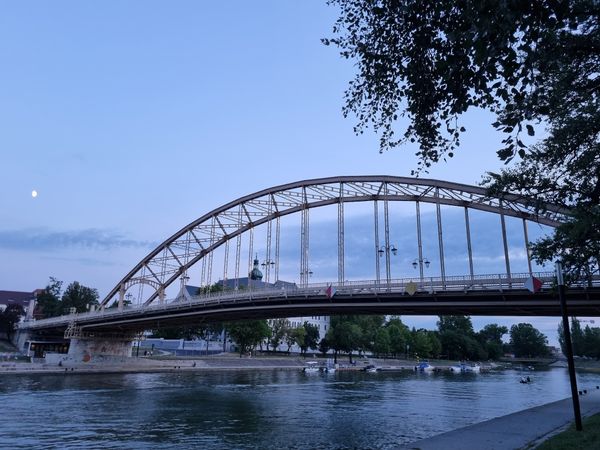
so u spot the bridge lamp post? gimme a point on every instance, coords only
(418, 262)
(266, 265)
(386, 250)
(304, 275)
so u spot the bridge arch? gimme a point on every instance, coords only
(173, 258)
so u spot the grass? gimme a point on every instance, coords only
(571, 439)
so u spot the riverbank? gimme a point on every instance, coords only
(519, 431)
(140, 365)
(215, 362)
(225, 361)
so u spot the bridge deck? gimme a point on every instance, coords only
(489, 297)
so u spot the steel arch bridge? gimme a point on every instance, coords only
(224, 226)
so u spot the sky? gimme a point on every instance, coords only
(131, 119)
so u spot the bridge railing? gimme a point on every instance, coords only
(427, 285)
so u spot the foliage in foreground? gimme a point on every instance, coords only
(422, 64)
(572, 439)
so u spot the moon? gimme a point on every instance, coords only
(34, 193)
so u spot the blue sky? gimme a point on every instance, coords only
(131, 119)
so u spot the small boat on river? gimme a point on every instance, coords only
(473, 368)
(466, 368)
(424, 366)
(312, 367)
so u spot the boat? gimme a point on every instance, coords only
(371, 369)
(466, 368)
(330, 369)
(311, 367)
(424, 367)
(471, 368)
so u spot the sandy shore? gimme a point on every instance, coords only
(219, 362)
(134, 365)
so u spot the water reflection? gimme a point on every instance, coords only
(259, 409)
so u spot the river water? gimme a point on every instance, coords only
(259, 409)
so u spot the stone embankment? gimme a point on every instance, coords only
(227, 362)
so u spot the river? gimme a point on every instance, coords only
(259, 409)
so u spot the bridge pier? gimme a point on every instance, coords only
(21, 339)
(93, 347)
(99, 350)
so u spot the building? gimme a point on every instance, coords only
(254, 281)
(23, 299)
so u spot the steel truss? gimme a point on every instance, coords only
(196, 241)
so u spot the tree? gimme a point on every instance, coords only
(490, 337)
(311, 339)
(79, 297)
(299, 338)
(369, 325)
(420, 343)
(577, 337)
(527, 341)
(48, 301)
(532, 64)
(461, 324)
(247, 334)
(435, 343)
(324, 346)
(381, 344)
(9, 318)
(279, 329)
(289, 338)
(188, 332)
(208, 330)
(585, 342)
(215, 287)
(344, 335)
(399, 336)
(591, 342)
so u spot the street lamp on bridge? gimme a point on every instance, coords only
(266, 265)
(418, 262)
(304, 276)
(386, 250)
(383, 249)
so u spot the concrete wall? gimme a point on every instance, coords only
(95, 350)
(20, 339)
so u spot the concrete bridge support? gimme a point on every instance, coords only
(21, 339)
(98, 350)
(94, 348)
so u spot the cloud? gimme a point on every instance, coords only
(81, 261)
(35, 239)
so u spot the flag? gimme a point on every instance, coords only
(533, 284)
(330, 291)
